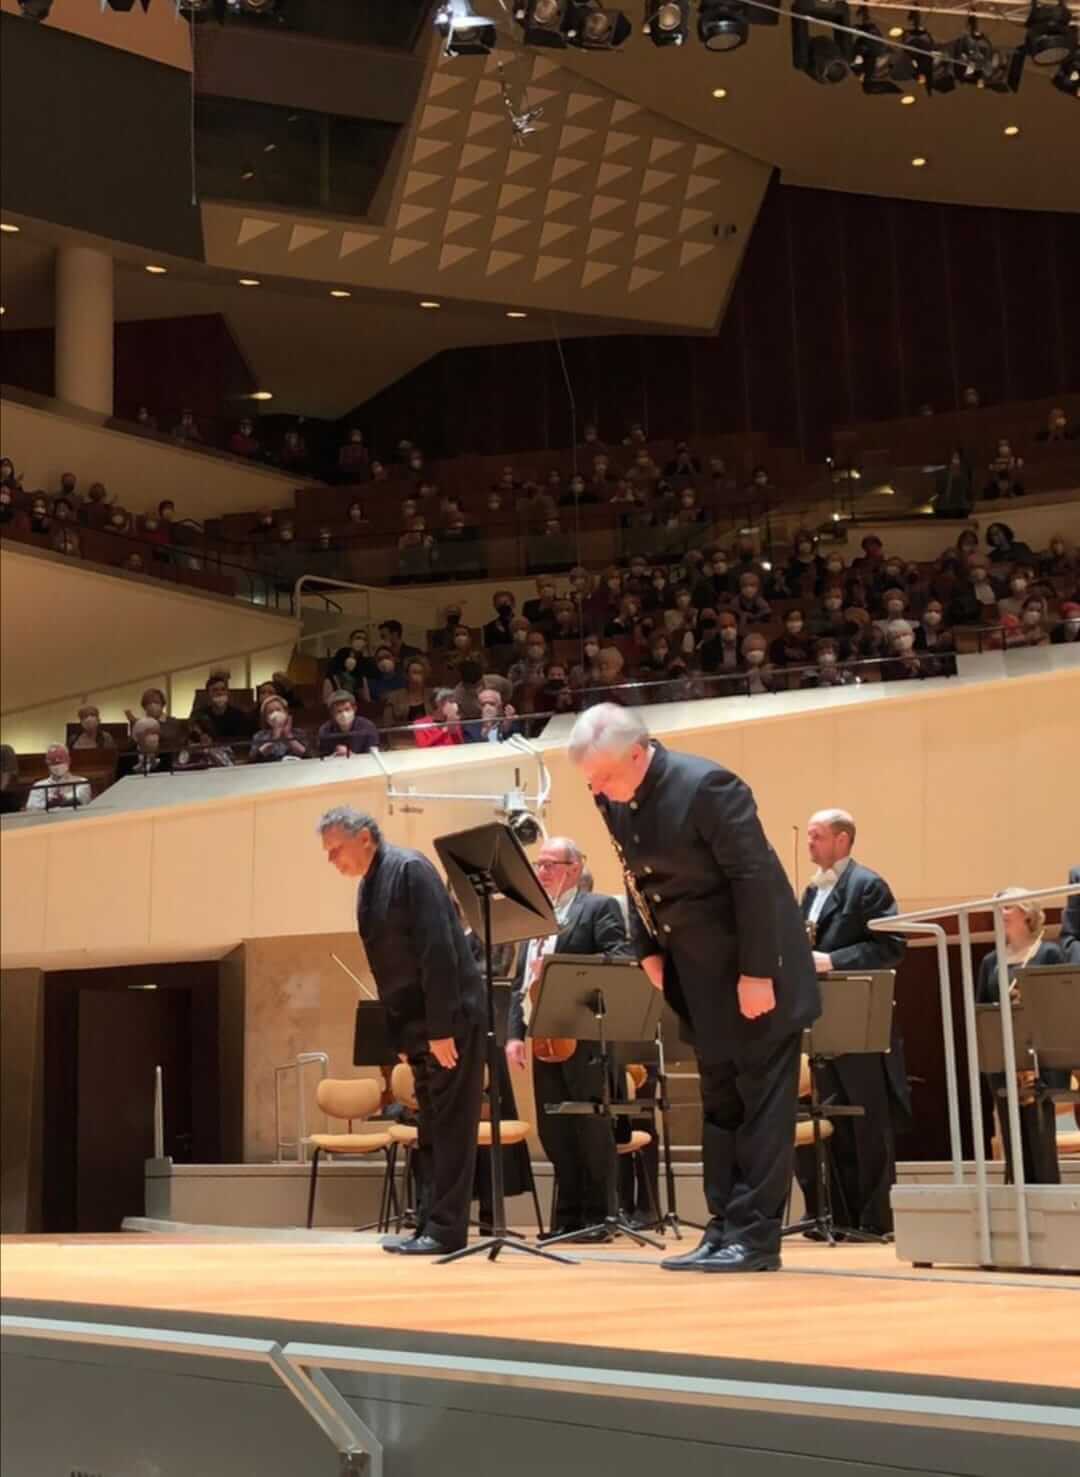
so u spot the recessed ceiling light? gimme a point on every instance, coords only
(1012, 130)
(429, 302)
(918, 161)
(719, 92)
(249, 282)
(262, 395)
(3, 310)
(896, 32)
(907, 99)
(515, 313)
(248, 174)
(269, 148)
(9, 228)
(156, 271)
(339, 292)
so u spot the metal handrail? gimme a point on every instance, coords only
(297, 1065)
(926, 921)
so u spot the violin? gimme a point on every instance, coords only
(550, 1049)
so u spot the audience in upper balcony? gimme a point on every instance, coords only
(276, 740)
(1003, 484)
(8, 478)
(91, 735)
(60, 789)
(148, 757)
(153, 704)
(1005, 547)
(969, 399)
(1057, 427)
(200, 750)
(352, 458)
(954, 486)
(441, 726)
(410, 701)
(243, 441)
(8, 511)
(1068, 628)
(794, 648)
(346, 731)
(10, 794)
(145, 422)
(186, 428)
(497, 632)
(224, 718)
(684, 463)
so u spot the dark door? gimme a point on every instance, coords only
(123, 1034)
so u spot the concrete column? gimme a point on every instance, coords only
(84, 328)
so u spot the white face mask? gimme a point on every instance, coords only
(1072, 625)
(728, 633)
(592, 652)
(794, 627)
(895, 607)
(932, 618)
(755, 658)
(1019, 586)
(828, 658)
(905, 642)
(833, 604)
(1032, 617)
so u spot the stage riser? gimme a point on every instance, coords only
(73, 1409)
(938, 1224)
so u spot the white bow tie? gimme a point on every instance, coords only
(823, 879)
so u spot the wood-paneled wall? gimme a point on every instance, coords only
(847, 308)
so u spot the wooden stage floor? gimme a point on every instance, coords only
(853, 1309)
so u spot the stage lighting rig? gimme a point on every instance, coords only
(879, 66)
(1067, 77)
(1050, 37)
(667, 22)
(593, 27)
(544, 22)
(723, 25)
(463, 31)
(35, 10)
(825, 59)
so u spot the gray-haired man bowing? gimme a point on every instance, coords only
(716, 926)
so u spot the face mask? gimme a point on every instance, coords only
(1032, 617)
(832, 604)
(521, 637)
(755, 658)
(728, 634)
(461, 642)
(386, 665)
(1019, 586)
(720, 567)
(834, 566)
(682, 601)
(286, 535)
(591, 652)
(416, 463)
(794, 627)
(504, 607)
(905, 642)
(932, 618)
(536, 653)
(895, 607)
(828, 658)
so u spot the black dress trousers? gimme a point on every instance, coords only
(449, 1111)
(748, 1141)
(581, 1149)
(1038, 1130)
(863, 1149)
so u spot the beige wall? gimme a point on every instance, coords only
(44, 443)
(157, 33)
(21, 1069)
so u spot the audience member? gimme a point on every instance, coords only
(1057, 562)
(391, 634)
(8, 478)
(243, 441)
(224, 719)
(794, 648)
(441, 727)
(461, 649)
(60, 790)
(954, 494)
(40, 521)
(147, 757)
(410, 701)
(1003, 484)
(388, 678)
(145, 422)
(344, 675)
(1034, 621)
(10, 795)
(345, 731)
(497, 721)
(1005, 547)
(529, 669)
(1019, 583)
(186, 429)
(497, 632)
(969, 400)
(8, 512)
(1068, 628)
(749, 605)
(199, 750)
(1056, 428)
(91, 735)
(353, 458)
(276, 740)
(759, 674)
(153, 705)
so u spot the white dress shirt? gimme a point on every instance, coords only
(824, 882)
(539, 948)
(70, 793)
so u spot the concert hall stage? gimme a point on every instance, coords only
(845, 1361)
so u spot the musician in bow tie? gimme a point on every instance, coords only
(838, 905)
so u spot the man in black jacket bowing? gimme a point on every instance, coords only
(838, 905)
(716, 926)
(432, 989)
(581, 1149)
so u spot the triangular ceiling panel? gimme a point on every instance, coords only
(511, 194)
(486, 89)
(408, 215)
(305, 235)
(480, 122)
(641, 277)
(691, 250)
(498, 261)
(572, 135)
(559, 200)
(440, 82)
(647, 211)
(464, 187)
(417, 180)
(577, 102)
(614, 142)
(655, 179)
(688, 219)
(434, 117)
(564, 165)
(621, 110)
(552, 232)
(519, 159)
(599, 238)
(697, 184)
(707, 154)
(660, 148)
(601, 205)
(457, 220)
(403, 246)
(546, 265)
(504, 225)
(646, 245)
(541, 95)
(607, 174)
(251, 230)
(355, 241)
(451, 255)
(543, 68)
(593, 271)
(425, 148)
(473, 154)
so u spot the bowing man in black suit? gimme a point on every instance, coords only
(717, 928)
(1070, 922)
(581, 1149)
(842, 898)
(431, 986)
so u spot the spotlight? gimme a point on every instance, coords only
(1067, 77)
(262, 9)
(594, 28)
(927, 65)
(825, 59)
(543, 22)
(35, 10)
(464, 32)
(1050, 40)
(198, 10)
(525, 827)
(872, 59)
(722, 25)
(668, 24)
(973, 57)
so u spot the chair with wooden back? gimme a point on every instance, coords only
(352, 1100)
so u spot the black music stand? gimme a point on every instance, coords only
(606, 1001)
(669, 1030)
(856, 1017)
(503, 902)
(1045, 1023)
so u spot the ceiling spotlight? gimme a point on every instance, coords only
(515, 313)
(262, 395)
(1050, 40)
(464, 32)
(872, 58)
(543, 21)
(594, 28)
(823, 58)
(923, 58)
(719, 92)
(9, 229)
(35, 10)
(973, 56)
(667, 21)
(249, 282)
(263, 9)
(895, 32)
(156, 271)
(247, 174)
(918, 162)
(339, 292)
(722, 25)
(429, 302)
(1011, 130)
(907, 99)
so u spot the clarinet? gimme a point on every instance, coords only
(633, 891)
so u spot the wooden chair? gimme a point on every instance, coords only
(639, 1139)
(352, 1099)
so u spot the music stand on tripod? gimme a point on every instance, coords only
(668, 1031)
(608, 1001)
(856, 1017)
(503, 902)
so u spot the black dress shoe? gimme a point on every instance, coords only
(693, 1261)
(594, 1236)
(395, 1243)
(740, 1258)
(422, 1246)
(559, 1231)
